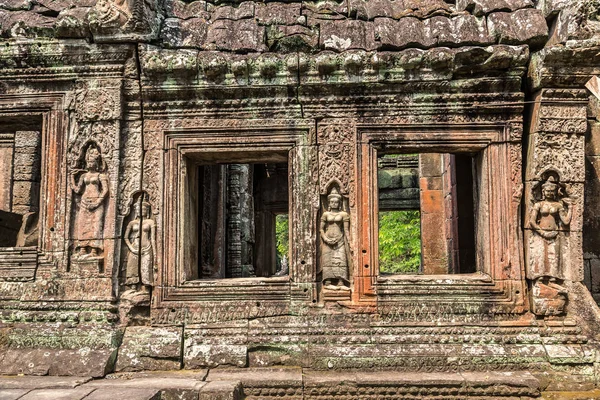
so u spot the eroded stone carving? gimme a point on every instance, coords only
(335, 247)
(89, 182)
(114, 17)
(140, 238)
(549, 219)
(110, 14)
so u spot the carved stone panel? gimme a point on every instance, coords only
(93, 196)
(559, 151)
(124, 19)
(336, 156)
(98, 101)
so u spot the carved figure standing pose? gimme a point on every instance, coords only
(140, 240)
(91, 184)
(335, 249)
(546, 219)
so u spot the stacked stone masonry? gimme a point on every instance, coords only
(148, 148)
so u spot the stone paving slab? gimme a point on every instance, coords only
(12, 394)
(124, 393)
(172, 385)
(58, 394)
(41, 382)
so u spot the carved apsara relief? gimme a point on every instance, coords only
(550, 220)
(140, 239)
(336, 186)
(334, 231)
(90, 185)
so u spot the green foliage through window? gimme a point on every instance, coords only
(399, 242)
(282, 233)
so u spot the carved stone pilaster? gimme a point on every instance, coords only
(97, 110)
(554, 197)
(336, 141)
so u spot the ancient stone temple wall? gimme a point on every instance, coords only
(148, 148)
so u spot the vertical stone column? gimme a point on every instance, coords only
(450, 211)
(26, 172)
(439, 219)
(303, 221)
(6, 168)
(240, 221)
(555, 175)
(591, 216)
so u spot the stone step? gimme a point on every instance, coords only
(288, 383)
(396, 385)
(295, 384)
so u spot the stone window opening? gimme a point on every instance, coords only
(425, 213)
(20, 164)
(494, 159)
(271, 149)
(20, 183)
(236, 206)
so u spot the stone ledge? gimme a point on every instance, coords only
(288, 383)
(295, 383)
(210, 68)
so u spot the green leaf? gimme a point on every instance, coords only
(399, 242)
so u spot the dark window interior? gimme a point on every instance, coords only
(241, 214)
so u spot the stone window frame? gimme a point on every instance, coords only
(52, 185)
(498, 285)
(253, 140)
